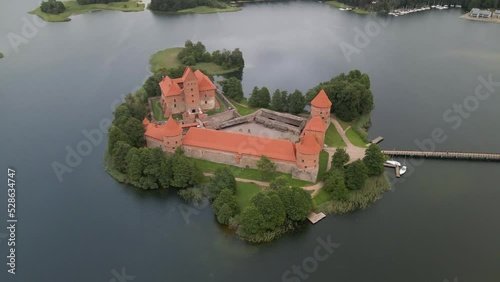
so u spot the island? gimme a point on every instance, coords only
(195, 6)
(264, 163)
(57, 11)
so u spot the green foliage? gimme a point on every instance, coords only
(335, 185)
(296, 102)
(225, 206)
(184, 171)
(297, 202)
(225, 213)
(233, 89)
(272, 209)
(222, 179)
(251, 220)
(355, 175)
(192, 54)
(259, 98)
(278, 183)
(374, 160)
(350, 95)
(267, 168)
(339, 158)
(176, 5)
(52, 7)
(118, 155)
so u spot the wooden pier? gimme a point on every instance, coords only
(396, 169)
(378, 140)
(315, 217)
(444, 155)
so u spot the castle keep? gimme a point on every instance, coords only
(194, 92)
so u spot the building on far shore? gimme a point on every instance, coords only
(497, 14)
(478, 13)
(300, 159)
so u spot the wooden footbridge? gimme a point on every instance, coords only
(444, 155)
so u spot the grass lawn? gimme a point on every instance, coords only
(208, 10)
(246, 173)
(360, 11)
(73, 8)
(242, 108)
(222, 108)
(355, 139)
(168, 59)
(323, 164)
(157, 110)
(321, 197)
(244, 192)
(333, 138)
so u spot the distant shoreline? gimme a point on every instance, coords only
(486, 20)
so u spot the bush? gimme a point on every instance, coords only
(52, 7)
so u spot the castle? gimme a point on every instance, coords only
(193, 91)
(190, 94)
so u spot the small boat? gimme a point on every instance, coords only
(402, 170)
(393, 163)
(342, 9)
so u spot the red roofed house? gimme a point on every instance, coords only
(321, 106)
(243, 150)
(194, 92)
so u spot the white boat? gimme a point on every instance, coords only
(342, 9)
(402, 170)
(393, 162)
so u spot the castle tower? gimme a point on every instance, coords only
(308, 153)
(145, 122)
(191, 91)
(316, 127)
(172, 136)
(321, 106)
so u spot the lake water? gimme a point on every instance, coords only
(439, 222)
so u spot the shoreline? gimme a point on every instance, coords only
(485, 20)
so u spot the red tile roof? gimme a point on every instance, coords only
(308, 145)
(316, 124)
(321, 100)
(145, 122)
(240, 143)
(171, 128)
(170, 87)
(204, 83)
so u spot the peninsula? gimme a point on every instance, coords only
(57, 11)
(264, 169)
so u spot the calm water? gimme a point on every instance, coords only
(440, 223)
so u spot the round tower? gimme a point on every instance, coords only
(316, 126)
(321, 106)
(172, 136)
(308, 153)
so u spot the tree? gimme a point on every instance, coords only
(119, 154)
(115, 134)
(297, 202)
(224, 214)
(355, 175)
(134, 130)
(233, 89)
(339, 158)
(264, 98)
(284, 101)
(223, 179)
(52, 7)
(272, 209)
(267, 167)
(251, 220)
(181, 170)
(296, 102)
(335, 185)
(374, 160)
(225, 197)
(253, 101)
(278, 183)
(276, 101)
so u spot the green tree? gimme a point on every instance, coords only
(224, 214)
(264, 98)
(284, 101)
(253, 101)
(374, 160)
(251, 220)
(355, 175)
(276, 101)
(335, 185)
(134, 129)
(297, 203)
(222, 179)
(267, 167)
(296, 102)
(119, 154)
(225, 197)
(272, 209)
(115, 134)
(339, 158)
(233, 89)
(52, 7)
(278, 183)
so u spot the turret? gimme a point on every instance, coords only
(172, 136)
(321, 106)
(307, 151)
(316, 127)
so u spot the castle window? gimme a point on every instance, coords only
(305, 166)
(191, 89)
(205, 102)
(176, 142)
(175, 105)
(314, 160)
(173, 148)
(192, 101)
(168, 143)
(302, 160)
(174, 101)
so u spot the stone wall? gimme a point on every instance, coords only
(236, 121)
(310, 175)
(153, 143)
(214, 121)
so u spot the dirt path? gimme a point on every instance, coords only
(260, 183)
